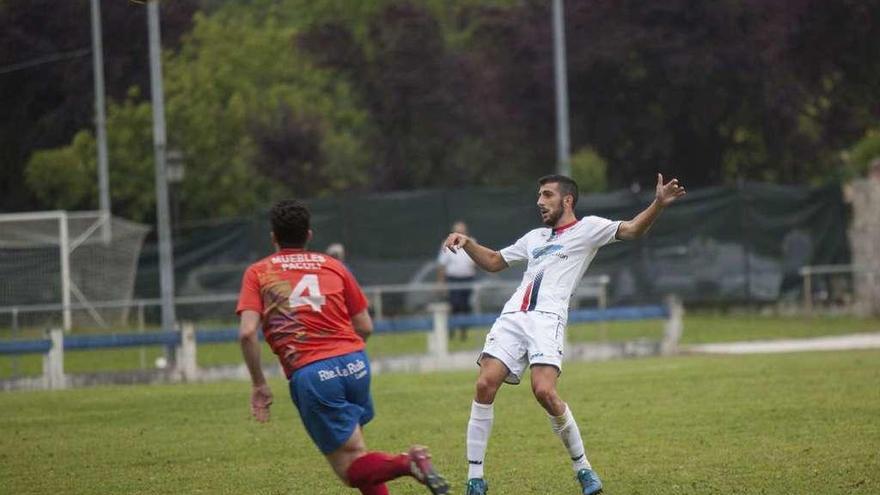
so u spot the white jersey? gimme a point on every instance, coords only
(557, 259)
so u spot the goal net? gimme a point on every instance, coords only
(63, 268)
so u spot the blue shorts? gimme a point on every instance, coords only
(333, 398)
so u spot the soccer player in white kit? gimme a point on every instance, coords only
(530, 331)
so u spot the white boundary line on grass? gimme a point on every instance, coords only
(838, 343)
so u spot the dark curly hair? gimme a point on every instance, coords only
(290, 221)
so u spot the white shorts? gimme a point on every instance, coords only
(524, 339)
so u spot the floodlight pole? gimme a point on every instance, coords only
(166, 256)
(100, 121)
(563, 142)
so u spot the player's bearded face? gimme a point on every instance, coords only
(550, 207)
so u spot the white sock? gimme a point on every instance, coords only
(479, 428)
(566, 427)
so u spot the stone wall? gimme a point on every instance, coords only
(864, 194)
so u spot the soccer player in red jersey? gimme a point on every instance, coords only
(314, 317)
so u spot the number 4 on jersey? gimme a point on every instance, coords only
(307, 292)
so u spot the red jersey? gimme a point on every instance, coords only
(306, 300)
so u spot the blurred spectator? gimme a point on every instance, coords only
(457, 268)
(874, 170)
(337, 250)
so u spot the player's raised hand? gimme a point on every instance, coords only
(669, 192)
(456, 241)
(261, 399)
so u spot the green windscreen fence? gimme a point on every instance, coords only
(721, 244)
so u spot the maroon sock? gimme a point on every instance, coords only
(375, 468)
(374, 490)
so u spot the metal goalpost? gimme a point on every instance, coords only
(65, 261)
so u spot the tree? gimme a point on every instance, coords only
(411, 86)
(45, 105)
(862, 154)
(238, 89)
(716, 91)
(589, 170)
(226, 93)
(323, 96)
(65, 177)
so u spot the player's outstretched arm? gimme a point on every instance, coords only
(261, 395)
(485, 258)
(639, 226)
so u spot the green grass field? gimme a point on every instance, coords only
(780, 424)
(699, 328)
